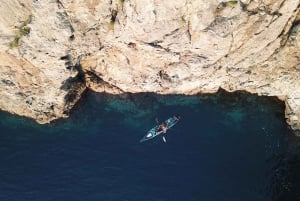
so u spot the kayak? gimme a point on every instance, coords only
(155, 131)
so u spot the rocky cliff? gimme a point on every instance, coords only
(51, 50)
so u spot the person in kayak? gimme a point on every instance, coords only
(165, 125)
(162, 127)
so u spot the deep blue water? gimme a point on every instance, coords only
(233, 147)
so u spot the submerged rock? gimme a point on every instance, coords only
(166, 47)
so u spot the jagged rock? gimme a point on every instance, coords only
(183, 47)
(31, 61)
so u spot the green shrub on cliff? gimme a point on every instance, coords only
(224, 4)
(121, 2)
(232, 3)
(111, 25)
(25, 30)
(22, 30)
(14, 43)
(182, 20)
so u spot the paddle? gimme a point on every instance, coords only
(164, 139)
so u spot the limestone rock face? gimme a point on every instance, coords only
(54, 48)
(37, 76)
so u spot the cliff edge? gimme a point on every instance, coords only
(51, 50)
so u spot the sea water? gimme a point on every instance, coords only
(226, 147)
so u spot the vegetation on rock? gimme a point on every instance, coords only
(22, 30)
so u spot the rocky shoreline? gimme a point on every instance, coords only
(51, 51)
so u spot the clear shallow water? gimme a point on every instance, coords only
(225, 148)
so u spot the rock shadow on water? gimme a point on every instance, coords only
(136, 110)
(143, 109)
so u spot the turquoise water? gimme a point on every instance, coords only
(233, 147)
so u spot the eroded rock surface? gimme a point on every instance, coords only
(117, 46)
(37, 75)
